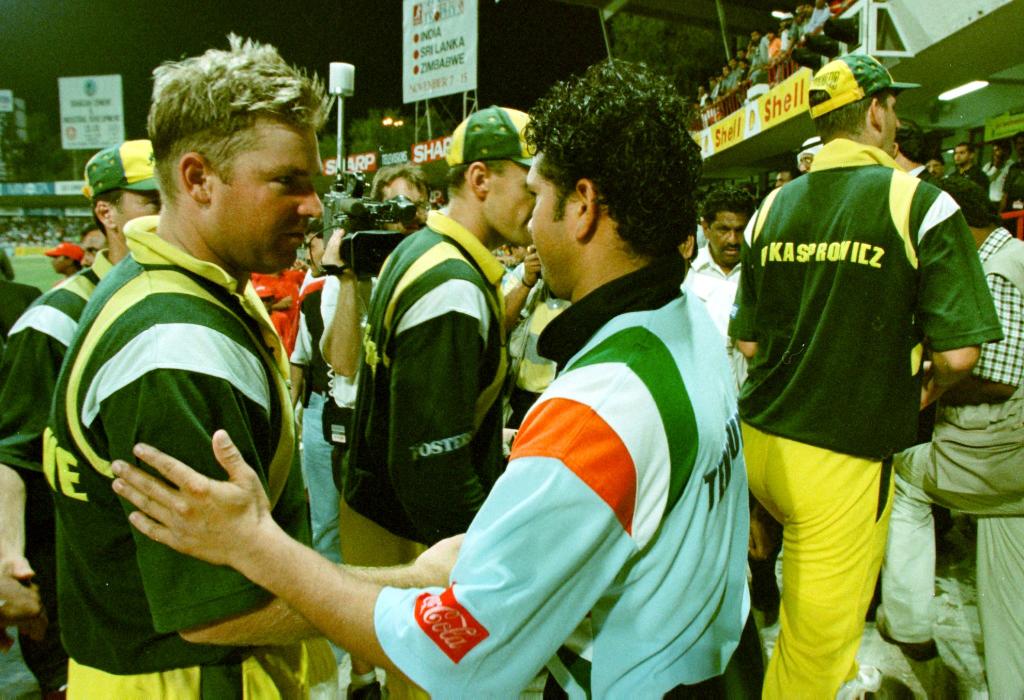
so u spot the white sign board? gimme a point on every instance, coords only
(91, 112)
(439, 40)
(6, 101)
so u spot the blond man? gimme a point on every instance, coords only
(176, 345)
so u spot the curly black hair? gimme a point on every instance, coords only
(725, 198)
(625, 129)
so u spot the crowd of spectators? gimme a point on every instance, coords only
(40, 230)
(766, 59)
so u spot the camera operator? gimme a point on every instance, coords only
(408, 181)
(390, 182)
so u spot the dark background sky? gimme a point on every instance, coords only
(524, 46)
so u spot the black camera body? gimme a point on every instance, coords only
(366, 245)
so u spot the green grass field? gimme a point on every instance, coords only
(34, 270)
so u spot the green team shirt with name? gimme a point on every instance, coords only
(848, 273)
(166, 353)
(425, 447)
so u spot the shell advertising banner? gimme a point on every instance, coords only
(784, 101)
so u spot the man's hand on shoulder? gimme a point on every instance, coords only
(222, 522)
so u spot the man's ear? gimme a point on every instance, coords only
(104, 212)
(586, 208)
(478, 179)
(875, 114)
(194, 177)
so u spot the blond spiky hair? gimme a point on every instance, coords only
(209, 104)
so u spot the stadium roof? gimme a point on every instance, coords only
(741, 16)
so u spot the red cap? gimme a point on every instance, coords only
(68, 250)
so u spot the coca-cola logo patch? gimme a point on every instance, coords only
(449, 624)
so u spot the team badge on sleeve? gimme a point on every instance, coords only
(448, 624)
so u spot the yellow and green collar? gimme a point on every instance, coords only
(844, 153)
(447, 226)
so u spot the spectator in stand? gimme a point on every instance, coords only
(786, 36)
(819, 16)
(936, 167)
(965, 156)
(1013, 187)
(728, 81)
(67, 259)
(702, 96)
(757, 52)
(93, 241)
(716, 87)
(910, 150)
(996, 169)
(801, 18)
(742, 71)
(774, 47)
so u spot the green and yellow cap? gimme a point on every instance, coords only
(128, 166)
(495, 133)
(848, 79)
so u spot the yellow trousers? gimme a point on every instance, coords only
(834, 509)
(365, 543)
(295, 672)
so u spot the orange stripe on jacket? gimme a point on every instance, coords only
(576, 435)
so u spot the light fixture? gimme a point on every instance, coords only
(964, 89)
(387, 121)
(779, 14)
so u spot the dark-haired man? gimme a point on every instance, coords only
(965, 156)
(715, 273)
(997, 168)
(785, 175)
(624, 505)
(848, 274)
(910, 151)
(93, 241)
(972, 464)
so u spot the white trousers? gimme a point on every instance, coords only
(908, 573)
